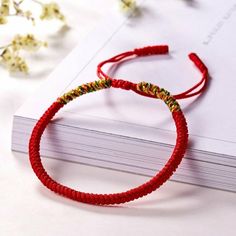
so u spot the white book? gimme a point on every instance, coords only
(122, 130)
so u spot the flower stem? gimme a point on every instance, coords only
(125, 3)
(18, 3)
(5, 46)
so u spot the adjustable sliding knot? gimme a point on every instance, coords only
(155, 50)
(83, 89)
(160, 93)
(123, 84)
(151, 50)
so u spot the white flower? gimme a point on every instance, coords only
(4, 11)
(4, 8)
(128, 6)
(3, 20)
(50, 11)
(10, 57)
(27, 42)
(13, 61)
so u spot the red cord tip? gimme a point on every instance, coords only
(198, 62)
(152, 50)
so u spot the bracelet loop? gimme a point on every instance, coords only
(142, 88)
(115, 198)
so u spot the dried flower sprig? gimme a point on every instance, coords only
(13, 62)
(50, 11)
(14, 8)
(10, 56)
(27, 42)
(128, 6)
(20, 12)
(4, 11)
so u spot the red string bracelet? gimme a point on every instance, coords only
(157, 50)
(142, 88)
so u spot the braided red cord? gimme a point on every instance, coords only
(156, 50)
(106, 199)
(162, 176)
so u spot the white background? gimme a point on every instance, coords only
(27, 208)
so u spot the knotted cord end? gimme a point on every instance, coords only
(198, 62)
(151, 50)
(123, 84)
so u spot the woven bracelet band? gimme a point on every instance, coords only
(116, 198)
(144, 89)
